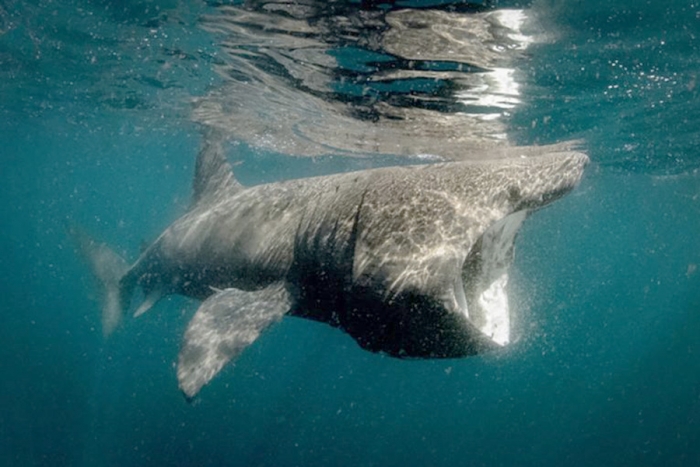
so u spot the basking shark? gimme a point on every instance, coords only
(410, 261)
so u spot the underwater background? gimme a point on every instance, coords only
(101, 106)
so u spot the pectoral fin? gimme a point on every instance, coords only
(223, 326)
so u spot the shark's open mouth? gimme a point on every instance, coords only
(485, 279)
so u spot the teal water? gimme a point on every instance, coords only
(607, 371)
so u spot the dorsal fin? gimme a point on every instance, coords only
(213, 175)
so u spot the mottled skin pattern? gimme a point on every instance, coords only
(381, 254)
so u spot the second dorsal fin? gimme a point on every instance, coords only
(213, 175)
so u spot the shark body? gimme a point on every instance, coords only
(411, 261)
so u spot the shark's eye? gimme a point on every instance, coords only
(514, 194)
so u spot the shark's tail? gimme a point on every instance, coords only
(109, 268)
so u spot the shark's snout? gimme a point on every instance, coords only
(541, 181)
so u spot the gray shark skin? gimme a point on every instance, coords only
(410, 261)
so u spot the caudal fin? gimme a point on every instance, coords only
(109, 268)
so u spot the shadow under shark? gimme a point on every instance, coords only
(411, 261)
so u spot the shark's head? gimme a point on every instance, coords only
(530, 184)
(443, 265)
